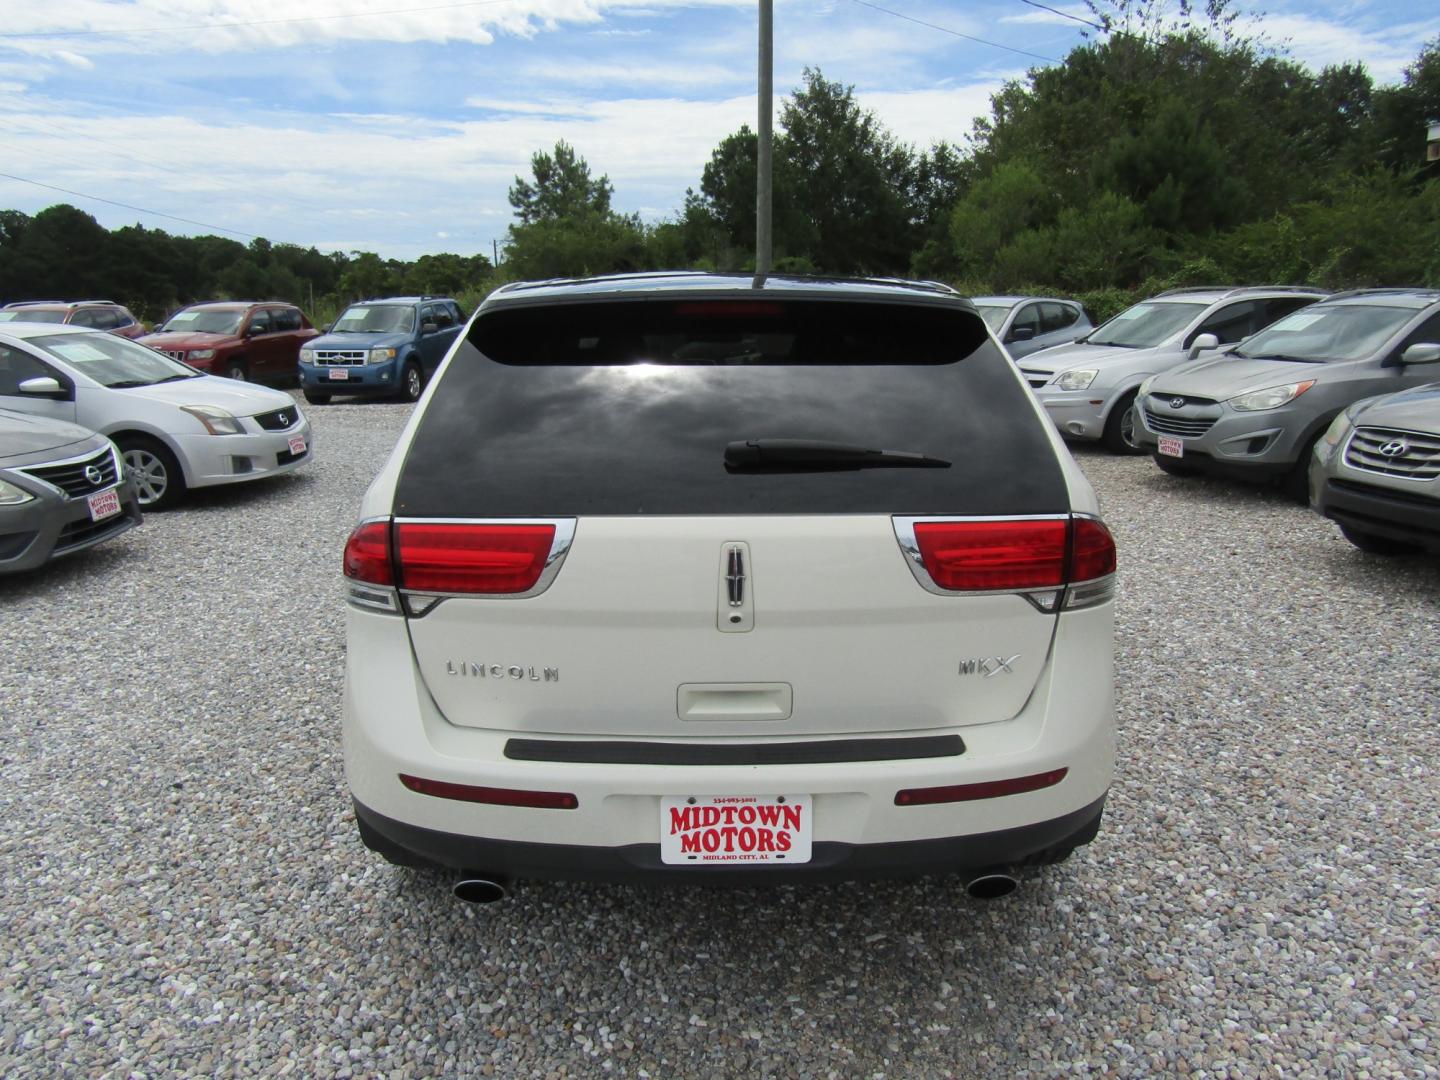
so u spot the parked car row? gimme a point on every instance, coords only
(1335, 397)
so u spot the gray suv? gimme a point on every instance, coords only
(1027, 324)
(1376, 473)
(1257, 410)
(1088, 387)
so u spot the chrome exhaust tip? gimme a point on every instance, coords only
(478, 890)
(991, 885)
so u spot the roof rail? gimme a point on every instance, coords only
(1194, 289)
(1385, 290)
(32, 303)
(93, 302)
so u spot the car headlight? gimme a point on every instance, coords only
(1270, 398)
(10, 495)
(1079, 379)
(216, 420)
(379, 356)
(201, 354)
(307, 356)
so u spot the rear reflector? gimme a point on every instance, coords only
(989, 789)
(367, 554)
(443, 789)
(463, 558)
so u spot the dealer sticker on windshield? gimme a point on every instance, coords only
(1172, 447)
(727, 829)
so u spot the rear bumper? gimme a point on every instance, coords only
(830, 860)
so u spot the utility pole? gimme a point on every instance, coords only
(764, 123)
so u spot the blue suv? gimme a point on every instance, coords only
(388, 348)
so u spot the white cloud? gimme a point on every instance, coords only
(1316, 42)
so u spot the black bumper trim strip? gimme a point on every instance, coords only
(787, 753)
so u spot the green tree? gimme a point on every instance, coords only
(562, 188)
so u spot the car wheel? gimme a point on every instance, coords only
(1119, 436)
(316, 399)
(236, 370)
(411, 382)
(1173, 467)
(1372, 544)
(159, 483)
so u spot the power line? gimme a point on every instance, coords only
(127, 206)
(1064, 14)
(955, 33)
(252, 22)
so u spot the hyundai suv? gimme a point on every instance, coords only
(697, 577)
(1088, 387)
(95, 314)
(1257, 410)
(380, 348)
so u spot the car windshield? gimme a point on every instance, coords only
(1327, 333)
(375, 319)
(1145, 325)
(994, 315)
(113, 361)
(204, 321)
(32, 315)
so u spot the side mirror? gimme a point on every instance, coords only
(428, 328)
(1021, 333)
(44, 386)
(1200, 344)
(1422, 352)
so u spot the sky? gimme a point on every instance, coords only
(397, 126)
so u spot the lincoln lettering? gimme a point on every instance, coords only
(467, 669)
(731, 829)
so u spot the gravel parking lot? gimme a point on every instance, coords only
(184, 892)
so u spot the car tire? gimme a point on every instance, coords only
(1173, 467)
(159, 482)
(1296, 482)
(236, 370)
(1372, 544)
(412, 382)
(1119, 436)
(316, 399)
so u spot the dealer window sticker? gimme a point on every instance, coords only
(79, 352)
(1300, 321)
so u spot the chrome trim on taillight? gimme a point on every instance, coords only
(419, 603)
(371, 597)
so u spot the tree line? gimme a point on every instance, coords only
(1164, 150)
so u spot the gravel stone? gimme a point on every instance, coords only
(184, 893)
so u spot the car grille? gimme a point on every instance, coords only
(70, 476)
(1038, 379)
(1412, 454)
(175, 354)
(278, 420)
(79, 533)
(1184, 426)
(346, 357)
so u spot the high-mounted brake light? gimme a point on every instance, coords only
(472, 558)
(730, 309)
(444, 789)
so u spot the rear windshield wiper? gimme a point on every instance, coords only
(807, 455)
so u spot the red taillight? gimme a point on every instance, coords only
(989, 789)
(460, 558)
(986, 556)
(367, 554)
(1092, 550)
(443, 789)
(975, 556)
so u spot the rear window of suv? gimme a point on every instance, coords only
(622, 408)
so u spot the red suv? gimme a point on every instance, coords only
(96, 314)
(238, 338)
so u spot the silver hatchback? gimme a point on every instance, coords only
(1257, 410)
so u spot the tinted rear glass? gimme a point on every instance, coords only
(627, 408)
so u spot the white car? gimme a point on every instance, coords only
(176, 428)
(681, 578)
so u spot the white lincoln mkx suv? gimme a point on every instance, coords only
(694, 577)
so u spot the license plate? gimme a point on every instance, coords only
(104, 504)
(728, 829)
(1172, 447)
(339, 373)
(297, 446)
